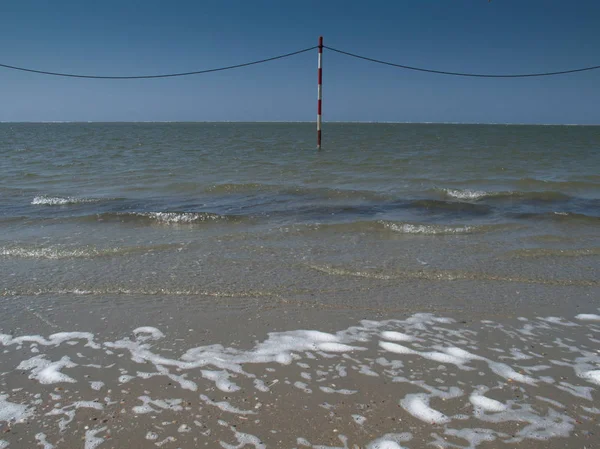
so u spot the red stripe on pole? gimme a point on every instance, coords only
(319, 107)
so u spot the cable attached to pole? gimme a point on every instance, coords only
(168, 75)
(287, 55)
(475, 75)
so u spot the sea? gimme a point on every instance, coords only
(229, 285)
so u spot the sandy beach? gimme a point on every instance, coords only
(289, 372)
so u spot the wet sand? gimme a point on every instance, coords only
(299, 371)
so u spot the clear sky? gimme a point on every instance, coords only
(117, 37)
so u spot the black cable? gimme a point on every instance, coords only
(199, 72)
(170, 75)
(477, 75)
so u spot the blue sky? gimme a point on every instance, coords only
(139, 37)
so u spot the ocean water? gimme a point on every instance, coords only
(424, 202)
(227, 285)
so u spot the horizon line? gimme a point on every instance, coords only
(291, 122)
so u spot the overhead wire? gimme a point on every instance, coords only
(476, 75)
(287, 55)
(167, 75)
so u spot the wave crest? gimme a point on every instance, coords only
(61, 201)
(465, 194)
(428, 229)
(177, 217)
(87, 252)
(474, 195)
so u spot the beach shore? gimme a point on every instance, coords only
(154, 371)
(182, 285)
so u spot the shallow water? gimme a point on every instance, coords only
(241, 243)
(392, 198)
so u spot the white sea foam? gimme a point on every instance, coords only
(221, 380)
(487, 404)
(396, 348)
(390, 441)
(418, 406)
(474, 436)
(226, 406)
(335, 347)
(57, 252)
(593, 376)
(558, 320)
(466, 194)
(426, 229)
(62, 201)
(302, 386)
(396, 336)
(576, 390)
(359, 419)
(243, 439)
(154, 405)
(96, 385)
(44, 253)
(42, 441)
(11, 412)
(455, 356)
(588, 317)
(91, 440)
(53, 340)
(551, 401)
(47, 372)
(70, 410)
(260, 385)
(460, 358)
(148, 333)
(180, 217)
(444, 358)
(384, 444)
(344, 391)
(167, 440)
(426, 370)
(507, 372)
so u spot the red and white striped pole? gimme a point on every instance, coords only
(319, 92)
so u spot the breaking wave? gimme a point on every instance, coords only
(475, 195)
(63, 201)
(401, 227)
(166, 218)
(429, 229)
(87, 252)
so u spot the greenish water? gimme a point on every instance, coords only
(146, 207)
